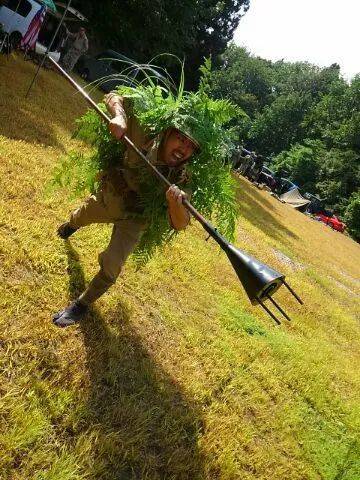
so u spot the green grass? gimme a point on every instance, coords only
(174, 375)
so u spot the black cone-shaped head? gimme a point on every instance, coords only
(258, 279)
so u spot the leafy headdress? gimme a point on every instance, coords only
(157, 108)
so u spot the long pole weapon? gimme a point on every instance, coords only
(259, 281)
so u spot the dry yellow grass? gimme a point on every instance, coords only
(173, 375)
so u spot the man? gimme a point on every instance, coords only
(236, 158)
(119, 197)
(258, 165)
(79, 46)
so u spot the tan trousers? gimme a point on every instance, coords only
(107, 207)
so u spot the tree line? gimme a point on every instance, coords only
(146, 28)
(304, 118)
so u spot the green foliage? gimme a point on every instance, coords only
(352, 215)
(79, 171)
(280, 124)
(324, 119)
(339, 177)
(245, 80)
(303, 78)
(302, 162)
(333, 174)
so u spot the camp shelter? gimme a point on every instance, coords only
(294, 198)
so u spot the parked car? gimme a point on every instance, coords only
(110, 63)
(284, 185)
(16, 16)
(267, 177)
(333, 222)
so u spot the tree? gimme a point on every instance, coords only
(302, 162)
(352, 215)
(307, 116)
(279, 126)
(304, 78)
(339, 177)
(336, 117)
(143, 29)
(245, 80)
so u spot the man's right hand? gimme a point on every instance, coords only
(118, 127)
(118, 124)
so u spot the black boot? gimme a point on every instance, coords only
(71, 314)
(65, 231)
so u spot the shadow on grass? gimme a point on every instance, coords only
(258, 211)
(148, 428)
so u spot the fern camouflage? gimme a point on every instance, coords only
(208, 175)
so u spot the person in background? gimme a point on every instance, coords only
(244, 165)
(258, 165)
(79, 46)
(236, 158)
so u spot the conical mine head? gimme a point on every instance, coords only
(258, 280)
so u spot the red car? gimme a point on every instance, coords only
(333, 222)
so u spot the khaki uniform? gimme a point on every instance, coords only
(115, 202)
(78, 48)
(245, 165)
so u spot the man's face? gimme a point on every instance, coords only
(177, 148)
(82, 31)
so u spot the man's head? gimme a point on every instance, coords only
(82, 31)
(177, 148)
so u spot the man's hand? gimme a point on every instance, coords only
(179, 215)
(174, 195)
(117, 126)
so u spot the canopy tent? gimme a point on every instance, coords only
(49, 4)
(76, 15)
(294, 198)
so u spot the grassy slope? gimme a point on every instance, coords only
(174, 375)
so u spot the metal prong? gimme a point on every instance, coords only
(268, 311)
(279, 308)
(292, 291)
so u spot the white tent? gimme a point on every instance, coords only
(294, 198)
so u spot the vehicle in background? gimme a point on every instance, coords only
(109, 63)
(284, 185)
(267, 177)
(16, 16)
(278, 185)
(331, 220)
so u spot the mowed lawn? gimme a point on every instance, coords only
(173, 375)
